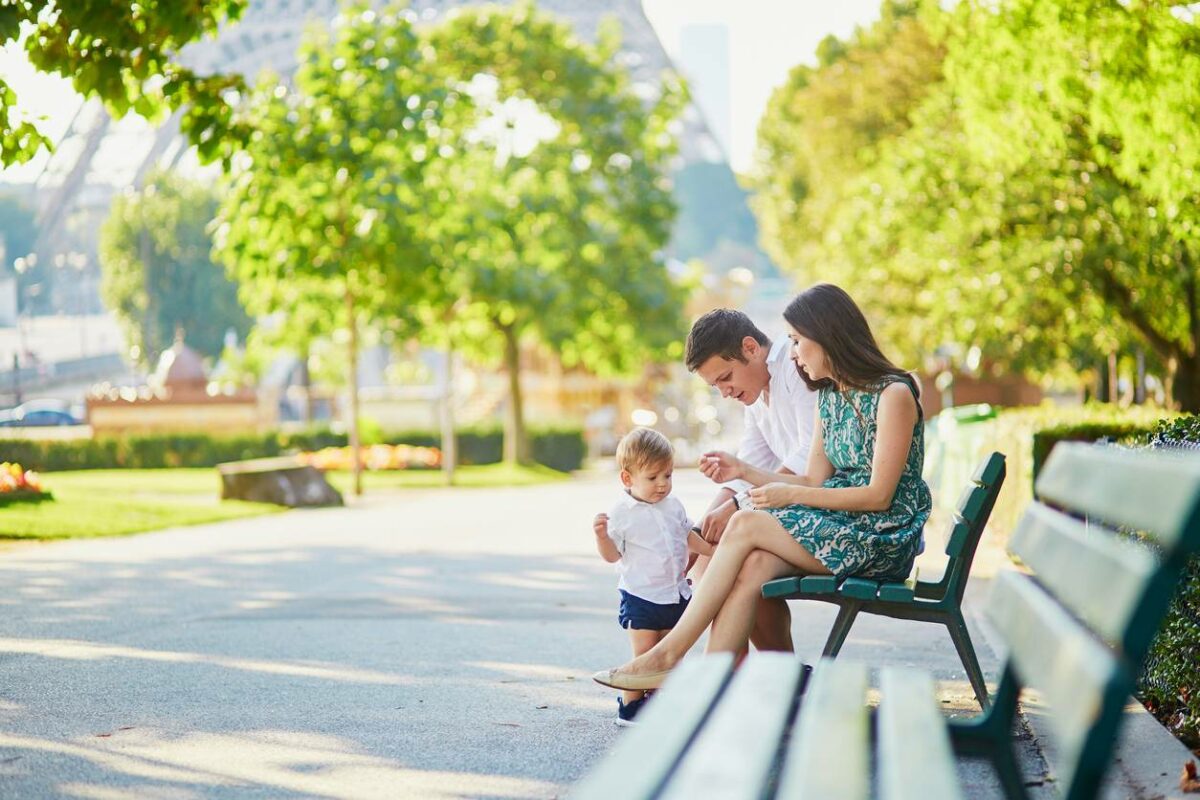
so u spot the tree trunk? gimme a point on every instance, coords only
(449, 444)
(1187, 385)
(516, 448)
(306, 385)
(355, 448)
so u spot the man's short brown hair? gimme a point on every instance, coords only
(642, 448)
(720, 333)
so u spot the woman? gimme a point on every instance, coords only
(858, 510)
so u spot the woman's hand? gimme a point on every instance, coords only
(720, 467)
(775, 495)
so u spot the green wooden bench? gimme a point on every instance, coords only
(914, 599)
(1077, 622)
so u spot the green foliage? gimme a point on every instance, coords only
(324, 206)
(985, 176)
(561, 448)
(155, 253)
(1113, 430)
(127, 55)
(1170, 681)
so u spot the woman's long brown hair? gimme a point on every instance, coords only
(828, 316)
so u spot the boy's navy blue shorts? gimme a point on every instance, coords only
(642, 615)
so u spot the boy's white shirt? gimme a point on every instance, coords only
(779, 433)
(652, 540)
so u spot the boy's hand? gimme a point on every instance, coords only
(600, 526)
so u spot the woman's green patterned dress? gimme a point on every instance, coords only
(867, 544)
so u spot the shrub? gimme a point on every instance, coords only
(954, 450)
(1170, 682)
(560, 448)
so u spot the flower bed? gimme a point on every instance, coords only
(376, 457)
(18, 484)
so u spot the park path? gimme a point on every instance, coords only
(431, 644)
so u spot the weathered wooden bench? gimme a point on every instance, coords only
(282, 480)
(1077, 622)
(914, 599)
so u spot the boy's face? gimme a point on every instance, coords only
(649, 484)
(743, 381)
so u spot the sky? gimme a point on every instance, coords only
(766, 39)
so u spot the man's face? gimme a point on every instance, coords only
(743, 382)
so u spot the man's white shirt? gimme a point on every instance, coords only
(779, 424)
(652, 540)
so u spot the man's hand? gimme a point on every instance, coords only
(774, 495)
(600, 526)
(713, 525)
(720, 466)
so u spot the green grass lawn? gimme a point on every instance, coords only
(114, 502)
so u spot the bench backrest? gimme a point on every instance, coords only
(1078, 628)
(966, 528)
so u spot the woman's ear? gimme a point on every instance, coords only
(626, 478)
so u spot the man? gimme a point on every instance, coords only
(733, 356)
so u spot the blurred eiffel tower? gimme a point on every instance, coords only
(98, 157)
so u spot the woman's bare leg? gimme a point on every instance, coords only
(738, 617)
(748, 531)
(641, 640)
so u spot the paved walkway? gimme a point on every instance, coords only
(424, 645)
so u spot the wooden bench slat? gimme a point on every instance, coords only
(861, 588)
(958, 537)
(1056, 654)
(829, 757)
(781, 587)
(971, 503)
(664, 729)
(989, 471)
(818, 584)
(916, 761)
(1099, 577)
(733, 755)
(1103, 482)
(901, 592)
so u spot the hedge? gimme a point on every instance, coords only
(1113, 431)
(1170, 683)
(560, 448)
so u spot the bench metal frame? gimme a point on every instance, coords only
(923, 601)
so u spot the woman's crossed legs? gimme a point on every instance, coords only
(754, 549)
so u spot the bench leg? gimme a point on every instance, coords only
(841, 628)
(957, 627)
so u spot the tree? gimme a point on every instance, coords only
(158, 270)
(559, 204)
(323, 216)
(952, 223)
(1116, 88)
(128, 56)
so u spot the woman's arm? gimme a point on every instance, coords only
(897, 415)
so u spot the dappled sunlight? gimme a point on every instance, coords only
(525, 582)
(283, 761)
(77, 650)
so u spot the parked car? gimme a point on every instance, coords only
(39, 413)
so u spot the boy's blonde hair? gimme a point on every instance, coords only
(642, 448)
